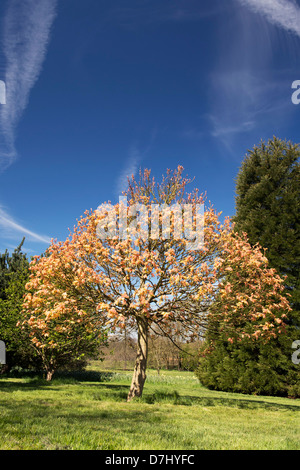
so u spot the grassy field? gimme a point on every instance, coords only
(89, 411)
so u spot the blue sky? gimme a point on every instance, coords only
(96, 89)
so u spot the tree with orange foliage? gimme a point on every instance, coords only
(130, 266)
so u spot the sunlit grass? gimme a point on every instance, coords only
(89, 411)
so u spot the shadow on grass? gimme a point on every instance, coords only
(98, 387)
(32, 380)
(94, 391)
(175, 398)
(9, 386)
(74, 375)
(84, 376)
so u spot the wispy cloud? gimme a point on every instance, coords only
(283, 13)
(10, 229)
(133, 163)
(244, 100)
(249, 87)
(26, 30)
(130, 169)
(221, 130)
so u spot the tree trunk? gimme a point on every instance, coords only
(4, 369)
(139, 374)
(49, 375)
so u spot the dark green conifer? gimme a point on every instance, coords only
(268, 210)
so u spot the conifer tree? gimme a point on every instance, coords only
(11, 264)
(14, 273)
(268, 210)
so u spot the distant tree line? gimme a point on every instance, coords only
(120, 353)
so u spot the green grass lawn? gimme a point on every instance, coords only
(89, 411)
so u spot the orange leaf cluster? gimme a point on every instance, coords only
(113, 282)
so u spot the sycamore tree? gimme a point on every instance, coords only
(153, 261)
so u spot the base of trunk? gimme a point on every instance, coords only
(137, 384)
(139, 374)
(49, 375)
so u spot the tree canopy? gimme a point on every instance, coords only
(144, 275)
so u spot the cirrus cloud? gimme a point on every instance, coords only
(10, 228)
(25, 37)
(283, 13)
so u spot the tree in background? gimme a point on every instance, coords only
(14, 274)
(163, 354)
(120, 351)
(15, 263)
(268, 210)
(63, 337)
(189, 355)
(67, 345)
(172, 351)
(143, 281)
